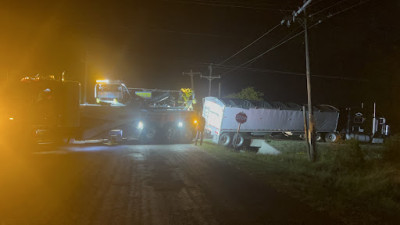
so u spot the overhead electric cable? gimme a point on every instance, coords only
(282, 41)
(348, 8)
(247, 46)
(313, 3)
(248, 2)
(224, 5)
(324, 9)
(290, 73)
(279, 43)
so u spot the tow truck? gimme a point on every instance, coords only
(124, 114)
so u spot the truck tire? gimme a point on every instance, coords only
(331, 137)
(171, 135)
(187, 137)
(237, 140)
(318, 137)
(225, 139)
(148, 135)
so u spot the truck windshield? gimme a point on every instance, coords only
(108, 91)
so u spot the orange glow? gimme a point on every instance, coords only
(195, 121)
(11, 118)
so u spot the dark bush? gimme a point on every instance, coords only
(349, 158)
(391, 152)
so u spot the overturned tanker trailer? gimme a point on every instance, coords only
(264, 118)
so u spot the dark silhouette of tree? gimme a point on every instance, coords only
(248, 93)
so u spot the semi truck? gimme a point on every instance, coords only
(268, 118)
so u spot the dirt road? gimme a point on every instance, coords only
(138, 184)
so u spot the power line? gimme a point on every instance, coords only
(324, 9)
(348, 8)
(282, 41)
(279, 43)
(291, 73)
(315, 2)
(247, 46)
(250, 3)
(294, 14)
(224, 5)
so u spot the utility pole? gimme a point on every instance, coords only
(219, 90)
(210, 78)
(312, 150)
(311, 125)
(191, 74)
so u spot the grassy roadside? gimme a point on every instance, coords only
(356, 184)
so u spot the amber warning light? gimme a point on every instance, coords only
(102, 81)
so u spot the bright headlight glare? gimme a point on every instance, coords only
(180, 124)
(140, 125)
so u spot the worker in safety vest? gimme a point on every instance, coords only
(201, 122)
(188, 98)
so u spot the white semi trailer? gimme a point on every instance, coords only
(264, 118)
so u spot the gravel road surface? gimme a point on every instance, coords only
(138, 184)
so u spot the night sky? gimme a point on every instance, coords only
(150, 43)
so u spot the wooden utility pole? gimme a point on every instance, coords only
(311, 125)
(191, 74)
(310, 134)
(306, 130)
(210, 78)
(219, 90)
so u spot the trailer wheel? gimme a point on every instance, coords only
(318, 137)
(331, 137)
(238, 140)
(225, 139)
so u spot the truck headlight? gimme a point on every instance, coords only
(140, 125)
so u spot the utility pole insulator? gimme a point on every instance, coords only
(295, 14)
